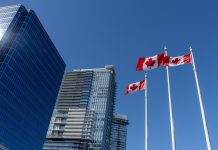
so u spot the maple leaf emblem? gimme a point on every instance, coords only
(187, 59)
(176, 61)
(134, 87)
(150, 63)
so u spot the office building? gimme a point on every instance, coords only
(31, 71)
(119, 132)
(87, 99)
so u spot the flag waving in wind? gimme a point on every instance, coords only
(176, 61)
(135, 87)
(150, 62)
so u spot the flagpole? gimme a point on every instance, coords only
(146, 113)
(170, 108)
(201, 103)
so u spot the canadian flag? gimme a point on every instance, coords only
(135, 87)
(176, 61)
(150, 62)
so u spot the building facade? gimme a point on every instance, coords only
(119, 132)
(70, 129)
(90, 93)
(31, 71)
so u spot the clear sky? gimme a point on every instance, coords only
(94, 33)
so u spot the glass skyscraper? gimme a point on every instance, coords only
(102, 100)
(119, 132)
(31, 72)
(83, 114)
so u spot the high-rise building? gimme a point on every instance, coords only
(86, 99)
(119, 132)
(31, 71)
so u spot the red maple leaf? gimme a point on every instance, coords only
(150, 62)
(176, 61)
(187, 58)
(133, 87)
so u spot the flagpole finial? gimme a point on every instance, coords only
(165, 47)
(190, 48)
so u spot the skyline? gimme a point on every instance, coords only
(142, 28)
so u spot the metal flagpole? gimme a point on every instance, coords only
(201, 103)
(170, 107)
(146, 113)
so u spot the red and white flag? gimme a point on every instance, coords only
(176, 61)
(150, 62)
(135, 87)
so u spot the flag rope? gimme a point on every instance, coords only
(201, 103)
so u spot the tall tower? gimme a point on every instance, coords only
(31, 72)
(87, 98)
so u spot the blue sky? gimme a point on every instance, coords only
(94, 33)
